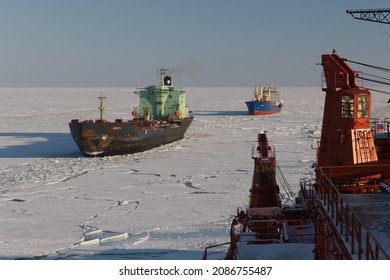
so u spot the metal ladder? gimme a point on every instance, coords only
(364, 150)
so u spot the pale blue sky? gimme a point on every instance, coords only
(209, 42)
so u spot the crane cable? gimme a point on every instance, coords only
(369, 65)
(374, 81)
(284, 183)
(375, 76)
(383, 82)
(380, 91)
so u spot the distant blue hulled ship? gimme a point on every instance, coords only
(266, 101)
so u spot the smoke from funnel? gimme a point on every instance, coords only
(184, 70)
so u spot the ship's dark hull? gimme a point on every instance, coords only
(118, 138)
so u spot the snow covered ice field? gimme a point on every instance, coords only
(166, 203)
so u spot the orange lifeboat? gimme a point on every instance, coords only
(178, 113)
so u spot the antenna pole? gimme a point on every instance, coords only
(101, 107)
(162, 72)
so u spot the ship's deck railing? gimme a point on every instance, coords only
(357, 237)
(217, 251)
(380, 127)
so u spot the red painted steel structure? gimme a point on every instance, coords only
(265, 221)
(353, 161)
(347, 151)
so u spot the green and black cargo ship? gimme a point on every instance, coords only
(161, 118)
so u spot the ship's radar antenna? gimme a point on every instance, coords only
(101, 107)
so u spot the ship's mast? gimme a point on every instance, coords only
(101, 107)
(162, 72)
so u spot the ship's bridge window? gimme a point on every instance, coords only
(362, 106)
(347, 106)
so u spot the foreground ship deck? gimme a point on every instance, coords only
(348, 200)
(374, 212)
(268, 228)
(349, 226)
